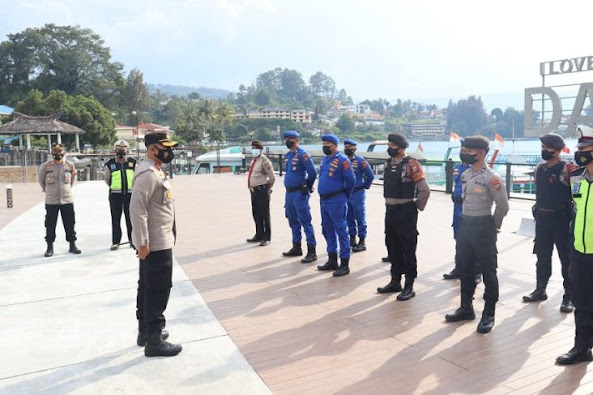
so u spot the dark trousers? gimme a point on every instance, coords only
(552, 228)
(154, 286)
(401, 238)
(119, 202)
(476, 244)
(581, 276)
(260, 207)
(51, 219)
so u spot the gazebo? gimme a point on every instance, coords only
(28, 125)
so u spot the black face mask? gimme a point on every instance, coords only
(327, 150)
(583, 158)
(58, 157)
(289, 144)
(165, 155)
(393, 151)
(469, 159)
(547, 155)
(120, 154)
(348, 151)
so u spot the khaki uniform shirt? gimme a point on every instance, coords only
(56, 180)
(262, 173)
(151, 208)
(480, 190)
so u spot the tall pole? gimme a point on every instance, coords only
(134, 113)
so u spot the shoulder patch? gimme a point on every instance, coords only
(416, 170)
(495, 182)
(365, 164)
(305, 157)
(346, 164)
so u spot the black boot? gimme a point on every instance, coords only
(566, 306)
(50, 250)
(463, 312)
(361, 246)
(141, 340)
(311, 254)
(452, 275)
(385, 259)
(73, 249)
(575, 355)
(537, 295)
(408, 292)
(294, 251)
(394, 286)
(331, 264)
(254, 239)
(343, 269)
(487, 322)
(161, 348)
(478, 278)
(352, 241)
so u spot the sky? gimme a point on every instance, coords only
(430, 50)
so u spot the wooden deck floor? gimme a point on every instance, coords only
(306, 332)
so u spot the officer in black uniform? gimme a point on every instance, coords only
(553, 213)
(119, 175)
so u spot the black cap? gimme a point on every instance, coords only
(159, 137)
(552, 140)
(399, 139)
(477, 142)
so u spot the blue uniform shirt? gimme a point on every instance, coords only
(299, 169)
(457, 172)
(336, 175)
(362, 172)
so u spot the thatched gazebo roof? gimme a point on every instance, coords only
(27, 124)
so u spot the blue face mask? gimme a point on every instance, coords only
(255, 151)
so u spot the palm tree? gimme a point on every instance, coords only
(188, 119)
(207, 112)
(225, 113)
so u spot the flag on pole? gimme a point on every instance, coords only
(454, 140)
(420, 148)
(498, 141)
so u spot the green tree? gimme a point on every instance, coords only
(135, 95)
(225, 113)
(217, 136)
(497, 114)
(262, 98)
(467, 116)
(187, 120)
(345, 124)
(66, 58)
(84, 112)
(322, 85)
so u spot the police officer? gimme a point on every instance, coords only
(457, 209)
(357, 222)
(299, 180)
(260, 181)
(119, 175)
(477, 232)
(153, 233)
(581, 260)
(56, 177)
(553, 213)
(336, 183)
(406, 191)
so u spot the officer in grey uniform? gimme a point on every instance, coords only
(153, 234)
(56, 178)
(477, 233)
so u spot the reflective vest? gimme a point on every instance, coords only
(582, 195)
(117, 182)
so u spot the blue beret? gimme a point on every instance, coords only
(291, 133)
(351, 142)
(331, 138)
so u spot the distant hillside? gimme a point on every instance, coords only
(181, 90)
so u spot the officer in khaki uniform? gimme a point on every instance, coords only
(119, 175)
(260, 181)
(153, 234)
(481, 187)
(56, 178)
(580, 270)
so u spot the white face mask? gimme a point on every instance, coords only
(255, 151)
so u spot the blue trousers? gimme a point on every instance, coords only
(298, 212)
(335, 226)
(357, 217)
(457, 212)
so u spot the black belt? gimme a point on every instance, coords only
(331, 195)
(259, 188)
(294, 189)
(358, 189)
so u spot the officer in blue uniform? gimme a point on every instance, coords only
(336, 184)
(299, 180)
(357, 222)
(457, 198)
